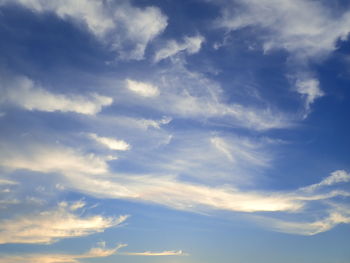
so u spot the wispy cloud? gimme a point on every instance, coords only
(52, 225)
(190, 45)
(336, 177)
(125, 28)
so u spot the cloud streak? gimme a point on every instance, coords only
(155, 254)
(97, 252)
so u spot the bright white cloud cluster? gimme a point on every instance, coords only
(49, 226)
(191, 45)
(121, 25)
(23, 92)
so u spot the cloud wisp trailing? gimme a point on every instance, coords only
(91, 175)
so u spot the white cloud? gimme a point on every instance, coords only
(23, 92)
(142, 89)
(310, 89)
(111, 143)
(142, 26)
(125, 28)
(302, 27)
(49, 226)
(191, 45)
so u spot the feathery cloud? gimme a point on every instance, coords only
(52, 225)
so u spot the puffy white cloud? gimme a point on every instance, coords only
(120, 25)
(190, 44)
(111, 143)
(22, 91)
(142, 89)
(49, 226)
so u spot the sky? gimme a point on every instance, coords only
(174, 131)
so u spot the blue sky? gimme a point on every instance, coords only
(174, 131)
